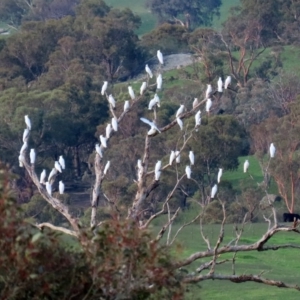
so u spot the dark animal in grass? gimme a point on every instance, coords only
(287, 217)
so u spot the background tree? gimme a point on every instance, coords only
(186, 13)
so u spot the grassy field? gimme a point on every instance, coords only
(278, 265)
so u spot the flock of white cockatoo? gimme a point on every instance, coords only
(113, 126)
(272, 151)
(59, 165)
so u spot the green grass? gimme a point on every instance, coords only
(138, 7)
(224, 12)
(278, 265)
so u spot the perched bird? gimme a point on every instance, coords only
(143, 88)
(160, 57)
(62, 162)
(148, 70)
(104, 87)
(57, 166)
(98, 150)
(153, 128)
(180, 123)
(188, 172)
(21, 158)
(25, 135)
(208, 91)
(220, 85)
(114, 124)
(103, 141)
(157, 171)
(43, 177)
(159, 81)
(106, 167)
(157, 175)
(198, 118)
(158, 166)
(246, 165)
(192, 157)
(52, 174)
(227, 82)
(126, 105)
(49, 188)
(24, 147)
(27, 122)
(208, 104)
(272, 150)
(172, 157)
(195, 103)
(131, 92)
(153, 102)
(213, 191)
(177, 154)
(112, 101)
(220, 174)
(108, 130)
(180, 110)
(61, 187)
(32, 156)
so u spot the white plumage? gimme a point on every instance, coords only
(62, 162)
(25, 135)
(227, 82)
(148, 70)
(220, 85)
(246, 165)
(27, 122)
(272, 150)
(24, 147)
(104, 87)
(198, 118)
(49, 188)
(214, 191)
(220, 174)
(208, 91)
(131, 92)
(98, 150)
(32, 156)
(21, 157)
(158, 166)
(177, 154)
(126, 105)
(43, 176)
(143, 88)
(52, 174)
(106, 167)
(180, 123)
(195, 102)
(180, 110)
(61, 187)
(154, 101)
(114, 124)
(192, 157)
(208, 104)
(112, 101)
(160, 57)
(172, 157)
(153, 128)
(188, 172)
(108, 130)
(57, 166)
(157, 175)
(159, 82)
(103, 141)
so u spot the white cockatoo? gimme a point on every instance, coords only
(106, 167)
(160, 57)
(61, 187)
(172, 157)
(126, 105)
(49, 188)
(227, 82)
(272, 150)
(103, 141)
(220, 85)
(112, 100)
(43, 177)
(32, 156)
(131, 92)
(159, 81)
(188, 172)
(104, 87)
(208, 104)
(114, 124)
(220, 174)
(62, 162)
(57, 166)
(214, 191)
(177, 154)
(192, 158)
(27, 122)
(246, 165)
(148, 70)
(180, 110)
(143, 88)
